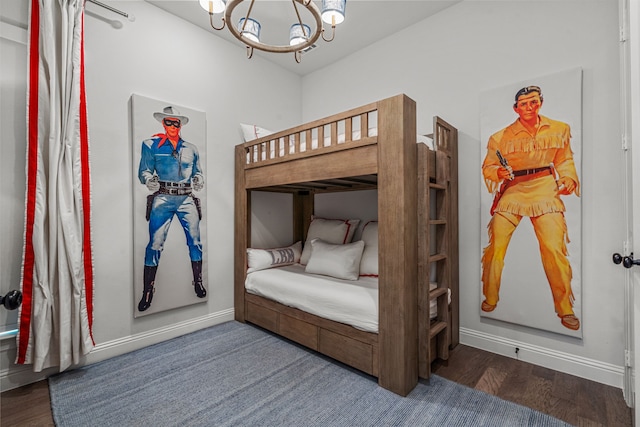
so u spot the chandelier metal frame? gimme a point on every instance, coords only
(297, 49)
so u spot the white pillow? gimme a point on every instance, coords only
(369, 262)
(339, 261)
(251, 132)
(259, 259)
(336, 231)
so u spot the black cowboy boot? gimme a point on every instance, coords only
(196, 266)
(147, 292)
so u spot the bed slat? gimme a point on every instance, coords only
(348, 130)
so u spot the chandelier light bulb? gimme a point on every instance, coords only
(333, 11)
(213, 6)
(299, 34)
(250, 30)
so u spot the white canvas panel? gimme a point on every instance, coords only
(174, 277)
(525, 295)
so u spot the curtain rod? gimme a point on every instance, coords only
(8, 334)
(112, 9)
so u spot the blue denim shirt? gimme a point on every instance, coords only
(159, 158)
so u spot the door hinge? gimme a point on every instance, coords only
(625, 142)
(623, 33)
(628, 359)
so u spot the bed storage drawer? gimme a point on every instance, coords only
(299, 331)
(347, 350)
(262, 316)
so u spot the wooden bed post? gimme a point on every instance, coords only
(242, 233)
(397, 236)
(303, 205)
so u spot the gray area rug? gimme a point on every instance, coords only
(238, 375)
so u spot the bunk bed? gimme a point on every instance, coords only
(369, 147)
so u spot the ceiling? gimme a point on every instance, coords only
(366, 21)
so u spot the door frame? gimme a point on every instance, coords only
(631, 31)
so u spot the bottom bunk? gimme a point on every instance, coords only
(352, 302)
(344, 343)
(329, 304)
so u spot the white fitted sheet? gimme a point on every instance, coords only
(354, 303)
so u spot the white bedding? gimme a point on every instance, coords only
(353, 302)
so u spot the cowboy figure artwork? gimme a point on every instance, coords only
(528, 166)
(170, 168)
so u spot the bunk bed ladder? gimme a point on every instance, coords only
(437, 245)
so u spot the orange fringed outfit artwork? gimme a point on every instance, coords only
(529, 169)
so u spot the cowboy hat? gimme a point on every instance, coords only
(171, 112)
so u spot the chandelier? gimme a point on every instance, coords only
(300, 35)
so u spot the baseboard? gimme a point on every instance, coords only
(582, 367)
(16, 376)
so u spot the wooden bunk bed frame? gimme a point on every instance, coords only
(404, 173)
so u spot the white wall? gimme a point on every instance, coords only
(271, 219)
(444, 63)
(165, 58)
(271, 214)
(13, 87)
(362, 205)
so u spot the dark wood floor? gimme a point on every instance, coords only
(575, 400)
(26, 406)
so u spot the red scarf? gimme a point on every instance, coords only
(164, 138)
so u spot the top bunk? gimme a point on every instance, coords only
(343, 152)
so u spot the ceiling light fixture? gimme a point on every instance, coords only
(300, 35)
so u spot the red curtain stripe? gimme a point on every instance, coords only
(86, 190)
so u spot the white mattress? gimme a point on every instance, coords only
(280, 144)
(354, 303)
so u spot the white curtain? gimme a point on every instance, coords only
(55, 320)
